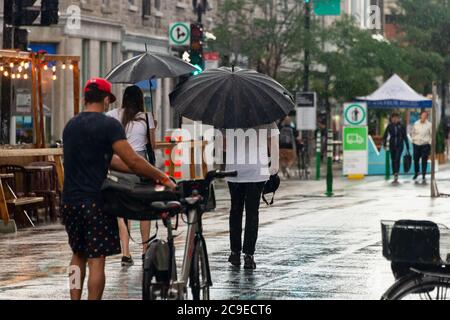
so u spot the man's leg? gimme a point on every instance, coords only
(252, 202)
(77, 275)
(425, 154)
(416, 152)
(394, 154)
(96, 281)
(237, 192)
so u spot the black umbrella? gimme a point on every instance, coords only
(149, 66)
(232, 98)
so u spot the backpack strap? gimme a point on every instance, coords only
(141, 243)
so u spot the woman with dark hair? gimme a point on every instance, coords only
(140, 130)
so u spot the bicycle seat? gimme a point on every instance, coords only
(172, 207)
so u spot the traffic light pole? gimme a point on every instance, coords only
(6, 90)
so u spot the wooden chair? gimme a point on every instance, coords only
(15, 189)
(43, 183)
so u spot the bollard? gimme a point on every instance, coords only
(329, 192)
(318, 154)
(388, 164)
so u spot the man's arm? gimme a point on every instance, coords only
(137, 164)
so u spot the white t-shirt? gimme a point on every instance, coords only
(247, 153)
(136, 130)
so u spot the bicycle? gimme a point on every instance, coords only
(160, 278)
(420, 261)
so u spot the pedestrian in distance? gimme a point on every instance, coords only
(288, 146)
(93, 143)
(140, 130)
(421, 137)
(254, 170)
(396, 133)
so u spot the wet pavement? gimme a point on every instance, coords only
(309, 247)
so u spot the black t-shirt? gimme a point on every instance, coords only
(88, 139)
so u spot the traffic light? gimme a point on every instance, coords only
(49, 12)
(196, 52)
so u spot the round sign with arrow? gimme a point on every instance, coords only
(180, 34)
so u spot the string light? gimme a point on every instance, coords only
(13, 76)
(6, 73)
(27, 65)
(45, 67)
(11, 65)
(22, 63)
(54, 68)
(71, 67)
(25, 76)
(54, 77)
(20, 69)
(18, 76)
(2, 68)
(64, 66)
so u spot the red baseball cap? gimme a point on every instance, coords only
(102, 85)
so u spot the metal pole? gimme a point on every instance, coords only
(305, 134)
(318, 154)
(329, 192)
(434, 188)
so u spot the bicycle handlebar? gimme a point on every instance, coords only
(221, 174)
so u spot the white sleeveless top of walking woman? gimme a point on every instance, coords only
(136, 130)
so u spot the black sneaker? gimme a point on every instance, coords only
(127, 261)
(415, 176)
(235, 259)
(249, 262)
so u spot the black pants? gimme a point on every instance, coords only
(421, 153)
(246, 195)
(396, 156)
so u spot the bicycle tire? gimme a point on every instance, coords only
(199, 279)
(419, 285)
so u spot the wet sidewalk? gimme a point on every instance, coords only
(309, 247)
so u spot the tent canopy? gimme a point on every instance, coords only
(396, 93)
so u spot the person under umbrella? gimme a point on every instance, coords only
(245, 104)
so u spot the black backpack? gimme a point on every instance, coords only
(287, 137)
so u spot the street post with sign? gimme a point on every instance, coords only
(356, 146)
(306, 119)
(180, 34)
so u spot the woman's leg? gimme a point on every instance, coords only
(145, 234)
(124, 237)
(252, 202)
(237, 192)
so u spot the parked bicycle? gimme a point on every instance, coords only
(419, 252)
(160, 278)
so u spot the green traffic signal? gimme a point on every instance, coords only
(198, 71)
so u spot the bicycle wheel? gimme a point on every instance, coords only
(200, 278)
(416, 286)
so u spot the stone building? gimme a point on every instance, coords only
(104, 33)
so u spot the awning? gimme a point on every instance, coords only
(396, 93)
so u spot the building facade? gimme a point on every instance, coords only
(104, 33)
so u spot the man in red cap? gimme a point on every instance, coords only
(94, 142)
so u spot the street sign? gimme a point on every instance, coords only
(180, 34)
(355, 139)
(355, 114)
(356, 150)
(306, 103)
(327, 7)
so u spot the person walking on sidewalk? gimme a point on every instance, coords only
(252, 165)
(288, 144)
(94, 142)
(140, 130)
(421, 137)
(396, 133)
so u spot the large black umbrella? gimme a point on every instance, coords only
(149, 66)
(232, 98)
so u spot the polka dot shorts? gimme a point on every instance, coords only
(91, 231)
